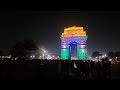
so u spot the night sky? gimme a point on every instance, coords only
(45, 27)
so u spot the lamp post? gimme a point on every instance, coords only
(39, 57)
(53, 57)
(44, 54)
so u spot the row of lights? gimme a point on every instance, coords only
(100, 57)
(2, 57)
(103, 56)
(42, 57)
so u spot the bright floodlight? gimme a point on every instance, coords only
(110, 59)
(33, 56)
(105, 55)
(102, 56)
(44, 51)
(64, 46)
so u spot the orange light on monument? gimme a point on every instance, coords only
(73, 31)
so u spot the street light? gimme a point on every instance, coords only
(30, 56)
(33, 56)
(116, 58)
(102, 56)
(39, 57)
(48, 57)
(44, 51)
(105, 55)
(43, 56)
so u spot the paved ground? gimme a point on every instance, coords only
(115, 76)
(115, 71)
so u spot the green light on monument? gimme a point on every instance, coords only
(82, 54)
(64, 54)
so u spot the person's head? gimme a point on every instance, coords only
(106, 59)
(103, 60)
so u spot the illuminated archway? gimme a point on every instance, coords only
(73, 35)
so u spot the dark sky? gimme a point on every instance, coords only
(103, 28)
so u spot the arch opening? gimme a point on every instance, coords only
(73, 50)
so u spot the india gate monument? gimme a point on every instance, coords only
(74, 35)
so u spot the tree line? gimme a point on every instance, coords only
(26, 47)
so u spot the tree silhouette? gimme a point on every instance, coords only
(22, 49)
(117, 54)
(111, 55)
(96, 54)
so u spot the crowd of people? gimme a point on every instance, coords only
(54, 69)
(89, 69)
